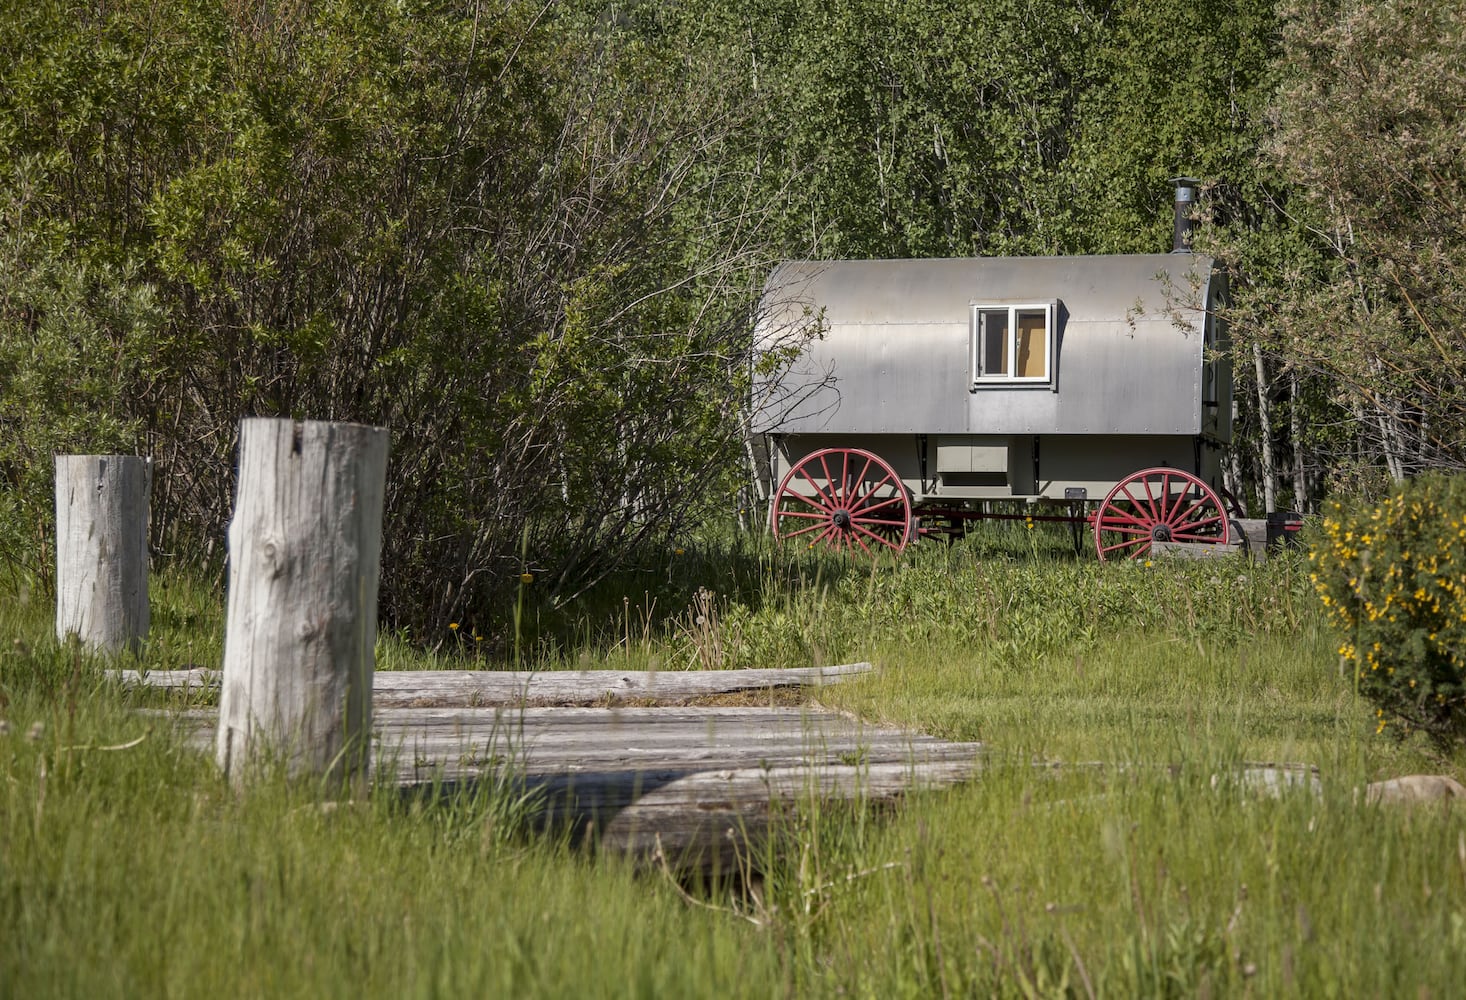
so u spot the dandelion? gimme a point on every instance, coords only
(526, 578)
(679, 552)
(453, 626)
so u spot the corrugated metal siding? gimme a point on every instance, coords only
(895, 353)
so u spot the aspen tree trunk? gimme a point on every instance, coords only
(304, 551)
(1264, 417)
(1295, 426)
(102, 549)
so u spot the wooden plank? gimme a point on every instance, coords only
(541, 742)
(705, 787)
(719, 820)
(1194, 550)
(404, 688)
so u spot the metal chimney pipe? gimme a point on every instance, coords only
(1187, 193)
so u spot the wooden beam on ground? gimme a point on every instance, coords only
(706, 786)
(470, 688)
(1194, 550)
(719, 821)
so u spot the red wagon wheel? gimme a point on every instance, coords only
(1158, 505)
(843, 498)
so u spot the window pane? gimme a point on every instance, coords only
(1033, 344)
(992, 341)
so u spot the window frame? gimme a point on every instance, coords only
(981, 380)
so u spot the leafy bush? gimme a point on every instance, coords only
(510, 239)
(1391, 577)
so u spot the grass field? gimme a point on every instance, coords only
(1112, 849)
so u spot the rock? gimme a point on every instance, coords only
(1415, 788)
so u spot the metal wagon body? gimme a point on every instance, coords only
(926, 391)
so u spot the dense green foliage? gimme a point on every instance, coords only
(502, 235)
(1369, 120)
(1391, 577)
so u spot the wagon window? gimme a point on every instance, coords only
(1011, 343)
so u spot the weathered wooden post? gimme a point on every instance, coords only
(304, 551)
(102, 549)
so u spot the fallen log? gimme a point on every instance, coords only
(472, 688)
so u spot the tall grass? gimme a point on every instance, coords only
(1115, 844)
(128, 868)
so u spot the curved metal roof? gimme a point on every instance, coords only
(894, 354)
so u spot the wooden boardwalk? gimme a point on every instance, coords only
(695, 785)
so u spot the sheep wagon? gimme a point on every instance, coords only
(920, 394)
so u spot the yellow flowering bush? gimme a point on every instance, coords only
(1392, 578)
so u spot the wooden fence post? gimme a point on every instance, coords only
(102, 549)
(304, 551)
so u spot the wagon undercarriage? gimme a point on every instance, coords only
(852, 499)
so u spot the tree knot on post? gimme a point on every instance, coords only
(272, 557)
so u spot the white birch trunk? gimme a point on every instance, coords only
(1301, 500)
(304, 552)
(1265, 418)
(102, 549)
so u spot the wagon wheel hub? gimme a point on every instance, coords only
(1160, 533)
(841, 519)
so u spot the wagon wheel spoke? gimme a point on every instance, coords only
(1169, 509)
(820, 515)
(876, 520)
(822, 536)
(1193, 519)
(804, 531)
(829, 503)
(837, 491)
(1119, 517)
(864, 510)
(1197, 536)
(1145, 541)
(843, 499)
(1141, 508)
(869, 489)
(875, 537)
(1126, 529)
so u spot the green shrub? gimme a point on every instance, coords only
(1393, 578)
